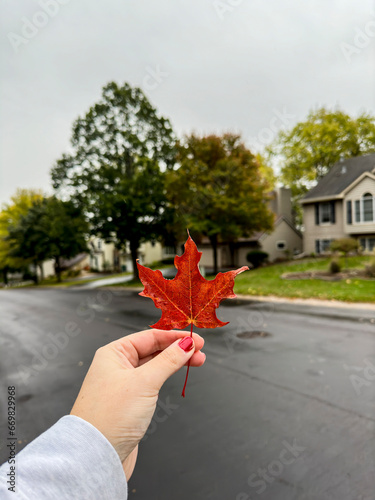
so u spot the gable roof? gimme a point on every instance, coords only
(341, 175)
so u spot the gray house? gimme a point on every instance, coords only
(342, 205)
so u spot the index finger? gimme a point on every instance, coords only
(149, 341)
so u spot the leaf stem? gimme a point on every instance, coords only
(188, 366)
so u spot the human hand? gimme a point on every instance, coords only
(121, 388)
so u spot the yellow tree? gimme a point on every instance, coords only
(10, 215)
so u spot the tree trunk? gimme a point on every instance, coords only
(134, 245)
(213, 240)
(232, 250)
(5, 275)
(58, 269)
(36, 280)
(41, 271)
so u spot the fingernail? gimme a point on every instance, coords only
(186, 344)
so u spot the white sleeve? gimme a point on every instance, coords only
(71, 460)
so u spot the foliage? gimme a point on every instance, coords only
(50, 229)
(218, 190)
(266, 171)
(114, 170)
(188, 299)
(345, 245)
(370, 268)
(310, 149)
(334, 266)
(256, 257)
(9, 217)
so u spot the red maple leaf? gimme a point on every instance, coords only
(187, 299)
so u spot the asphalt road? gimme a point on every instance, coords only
(280, 417)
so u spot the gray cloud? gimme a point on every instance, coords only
(209, 66)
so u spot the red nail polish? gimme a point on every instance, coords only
(186, 344)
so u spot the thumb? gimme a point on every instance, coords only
(168, 362)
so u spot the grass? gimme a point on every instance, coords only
(267, 281)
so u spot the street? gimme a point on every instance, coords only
(287, 414)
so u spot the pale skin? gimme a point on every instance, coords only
(121, 388)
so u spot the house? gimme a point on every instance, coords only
(341, 205)
(285, 240)
(104, 256)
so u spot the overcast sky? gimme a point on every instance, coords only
(249, 66)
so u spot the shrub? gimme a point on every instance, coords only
(168, 261)
(334, 266)
(72, 273)
(256, 257)
(370, 269)
(345, 246)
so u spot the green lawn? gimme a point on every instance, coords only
(267, 281)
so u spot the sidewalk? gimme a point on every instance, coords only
(368, 306)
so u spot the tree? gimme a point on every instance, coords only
(9, 218)
(309, 150)
(27, 238)
(66, 231)
(114, 172)
(51, 229)
(218, 190)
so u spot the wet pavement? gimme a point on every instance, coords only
(284, 416)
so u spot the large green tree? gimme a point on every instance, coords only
(120, 149)
(310, 149)
(218, 189)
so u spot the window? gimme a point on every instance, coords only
(368, 207)
(99, 244)
(349, 215)
(281, 245)
(169, 251)
(364, 208)
(325, 213)
(357, 211)
(322, 246)
(368, 244)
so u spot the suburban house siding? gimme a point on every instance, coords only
(283, 232)
(345, 185)
(366, 185)
(322, 231)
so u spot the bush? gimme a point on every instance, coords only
(256, 257)
(72, 273)
(169, 261)
(345, 245)
(334, 266)
(370, 269)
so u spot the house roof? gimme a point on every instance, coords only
(341, 176)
